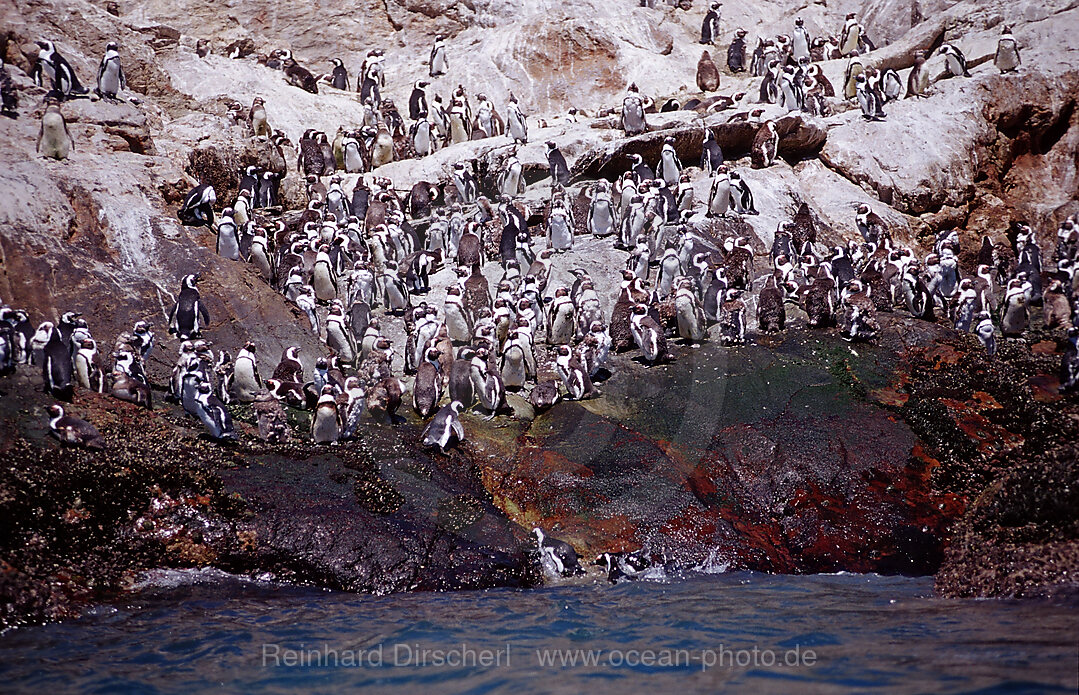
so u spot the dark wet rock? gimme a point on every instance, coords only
(798, 139)
(1003, 441)
(218, 160)
(377, 516)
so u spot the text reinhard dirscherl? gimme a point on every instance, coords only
(463, 656)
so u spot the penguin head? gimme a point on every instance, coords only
(538, 535)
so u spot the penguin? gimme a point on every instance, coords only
(228, 239)
(561, 319)
(765, 146)
(559, 229)
(9, 94)
(707, 73)
(633, 106)
(417, 101)
(871, 226)
(544, 395)
(985, 332)
(213, 414)
(710, 24)
(54, 139)
(851, 37)
(689, 315)
(557, 166)
(323, 277)
(954, 60)
(338, 338)
(438, 63)
(867, 99)
(732, 318)
(736, 52)
(516, 123)
(771, 312)
(918, 79)
(427, 389)
(641, 171)
(1056, 310)
(198, 206)
(326, 422)
(53, 68)
(601, 221)
(73, 431)
(800, 42)
(648, 335)
(56, 365)
(246, 382)
(741, 196)
(110, 74)
(354, 407)
(669, 167)
(339, 76)
(574, 376)
(188, 311)
(850, 76)
(1006, 58)
(891, 87)
(445, 426)
(711, 153)
(1069, 363)
(557, 558)
(1015, 316)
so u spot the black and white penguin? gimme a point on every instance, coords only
(438, 63)
(741, 196)
(736, 52)
(198, 206)
(710, 24)
(188, 314)
(556, 164)
(711, 153)
(1015, 316)
(326, 422)
(868, 99)
(633, 106)
(557, 558)
(669, 166)
(445, 427)
(56, 365)
(52, 71)
(110, 75)
(575, 377)
(72, 430)
(516, 123)
(339, 76)
(851, 38)
(417, 101)
(1006, 58)
(689, 314)
(213, 414)
(648, 335)
(246, 382)
(954, 60)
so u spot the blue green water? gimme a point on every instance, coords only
(738, 632)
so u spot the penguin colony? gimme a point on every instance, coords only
(355, 259)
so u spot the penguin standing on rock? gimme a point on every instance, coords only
(188, 311)
(326, 423)
(765, 146)
(741, 196)
(56, 366)
(556, 162)
(710, 24)
(339, 76)
(711, 153)
(439, 63)
(633, 106)
(417, 101)
(868, 99)
(918, 79)
(1007, 55)
(736, 53)
(53, 68)
(53, 139)
(110, 74)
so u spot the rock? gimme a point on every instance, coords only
(217, 161)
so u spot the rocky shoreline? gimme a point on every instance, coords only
(991, 478)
